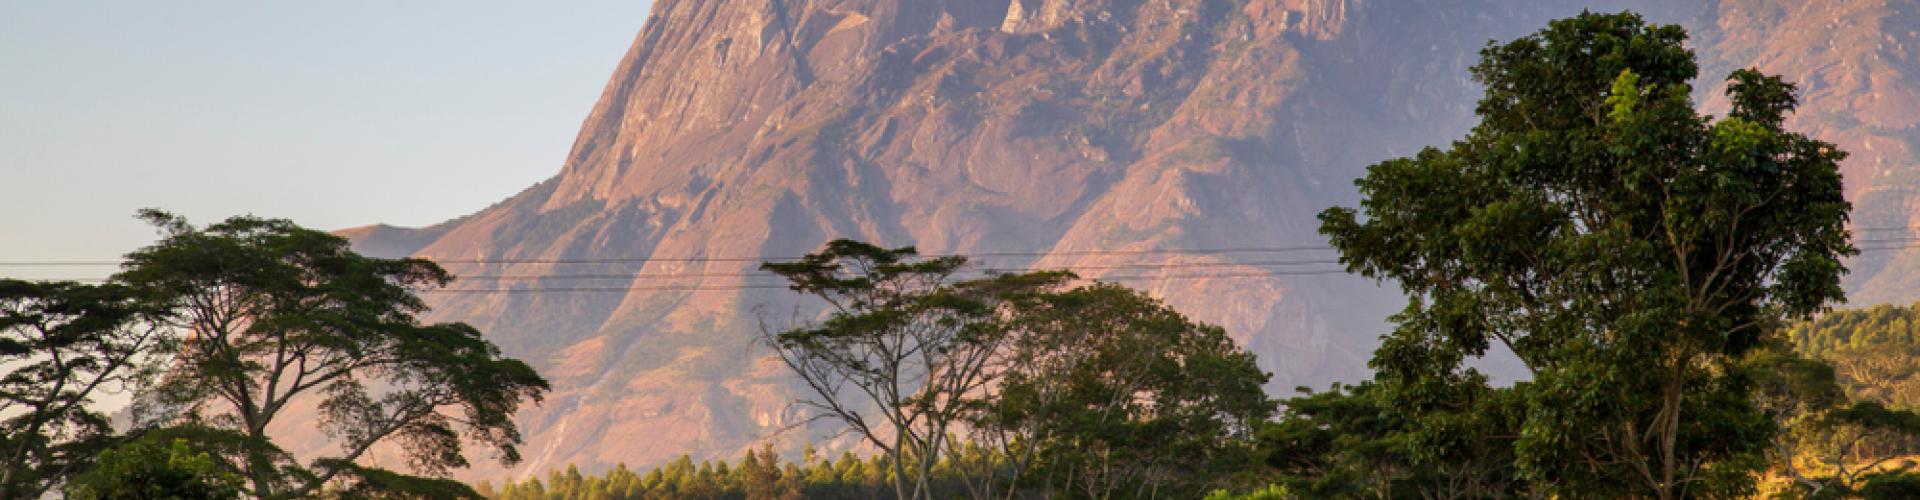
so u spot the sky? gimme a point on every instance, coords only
(333, 113)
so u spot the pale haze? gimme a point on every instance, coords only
(333, 114)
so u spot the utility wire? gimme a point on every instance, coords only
(1170, 251)
(985, 270)
(768, 286)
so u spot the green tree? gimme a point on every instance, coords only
(1108, 392)
(60, 344)
(154, 469)
(1352, 442)
(763, 478)
(904, 350)
(279, 313)
(1628, 249)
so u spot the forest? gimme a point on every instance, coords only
(1668, 280)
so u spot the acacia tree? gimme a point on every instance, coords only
(1628, 249)
(905, 350)
(272, 313)
(61, 344)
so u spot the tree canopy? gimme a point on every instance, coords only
(1626, 248)
(1015, 385)
(276, 313)
(61, 344)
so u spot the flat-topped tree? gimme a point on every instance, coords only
(905, 351)
(272, 313)
(1627, 248)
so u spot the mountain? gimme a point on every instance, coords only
(1086, 134)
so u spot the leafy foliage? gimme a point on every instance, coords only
(1629, 250)
(153, 468)
(1352, 441)
(1106, 392)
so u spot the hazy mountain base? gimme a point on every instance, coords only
(763, 128)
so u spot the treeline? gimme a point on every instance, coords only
(1875, 357)
(759, 475)
(216, 331)
(1877, 327)
(1342, 443)
(1874, 348)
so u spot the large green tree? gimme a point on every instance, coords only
(1105, 392)
(273, 314)
(61, 345)
(1626, 248)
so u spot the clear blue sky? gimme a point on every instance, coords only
(332, 113)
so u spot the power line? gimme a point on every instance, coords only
(987, 270)
(1886, 248)
(768, 286)
(1195, 264)
(635, 260)
(1063, 253)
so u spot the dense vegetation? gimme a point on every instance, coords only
(1348, 443)
(759, 474)
(1630, 251)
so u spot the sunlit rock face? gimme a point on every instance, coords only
(763, 128)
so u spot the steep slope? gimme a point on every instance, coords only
(744, 129)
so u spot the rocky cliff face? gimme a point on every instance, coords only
(1046, 128)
